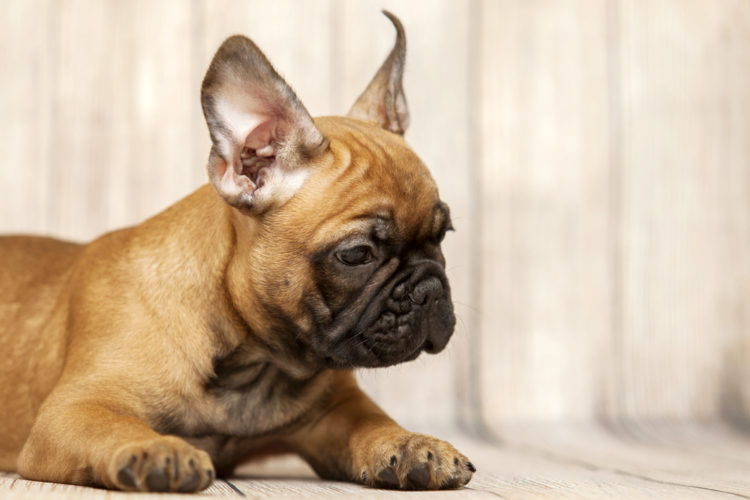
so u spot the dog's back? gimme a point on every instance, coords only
(33, 272)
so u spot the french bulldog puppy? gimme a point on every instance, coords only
(227, 326)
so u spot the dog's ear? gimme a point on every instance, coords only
(262, 134)
(383, 101)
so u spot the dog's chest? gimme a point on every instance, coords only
(247, 399)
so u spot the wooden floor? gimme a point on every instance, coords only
(550, 461)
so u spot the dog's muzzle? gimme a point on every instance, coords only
(411, 313)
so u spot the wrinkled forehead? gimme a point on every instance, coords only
(376, 181)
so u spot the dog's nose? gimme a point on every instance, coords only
(440, 329)
(438, 319)
(426, 291)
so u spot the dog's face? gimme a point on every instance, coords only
(338, 222)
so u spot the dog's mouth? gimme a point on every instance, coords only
(409, 313)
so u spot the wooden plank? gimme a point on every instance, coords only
(107, 123)
(26, 34)
(16, 488)
(691, 456)
(545, 292)
(550, 461)
(151, 166)
(615, 210)
(685, 209)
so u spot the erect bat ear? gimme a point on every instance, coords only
(383, 101)
(262, 134)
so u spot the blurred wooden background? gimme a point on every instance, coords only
(595, 153)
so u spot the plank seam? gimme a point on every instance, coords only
(614, 405)
(595, 468)
(671, 483)
(476, 414)
(235, 488)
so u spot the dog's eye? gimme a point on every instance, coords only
(356, 256)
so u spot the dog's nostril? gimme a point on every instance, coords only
(428, 289)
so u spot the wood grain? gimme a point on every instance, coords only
(685, 204)
(614, 153)
(545, 289)
(549, 461)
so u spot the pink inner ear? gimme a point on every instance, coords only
(233, 186)
(258, 152)
(261, 137)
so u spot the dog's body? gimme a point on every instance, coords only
(226, 326)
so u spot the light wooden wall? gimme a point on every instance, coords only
(615, 161)
(595, 153)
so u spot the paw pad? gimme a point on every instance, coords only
(157, 480)
(419, 477)
(387, 478)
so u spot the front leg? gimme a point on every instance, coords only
(354, 440)
(95, 442)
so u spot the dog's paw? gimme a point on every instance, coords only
(415, 462)
(164, 464)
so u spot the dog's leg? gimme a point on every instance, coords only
(90, 442)
(354, 440)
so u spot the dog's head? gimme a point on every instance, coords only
(338, 222)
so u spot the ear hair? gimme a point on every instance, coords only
(261, 132)
(383, 102)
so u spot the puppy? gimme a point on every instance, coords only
(227, 326)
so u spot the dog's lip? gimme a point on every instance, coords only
(365, 355)
(335, 348)
(347, 323)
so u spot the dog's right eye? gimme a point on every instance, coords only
(356, 256)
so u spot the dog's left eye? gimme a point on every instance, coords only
(356, 256)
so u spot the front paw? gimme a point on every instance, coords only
(164, 464)
(414, 462)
